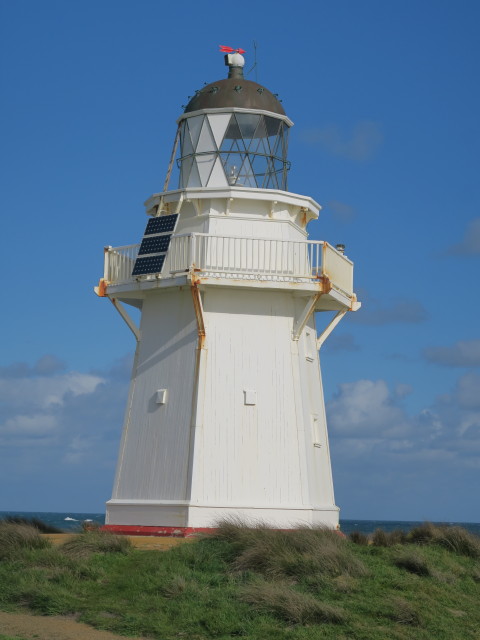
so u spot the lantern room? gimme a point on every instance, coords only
(234, 132)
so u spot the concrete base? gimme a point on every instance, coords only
(182, 515)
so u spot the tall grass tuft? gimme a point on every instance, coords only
(238, 533)
(403, 612)
(357, 537)
(455, 539)
(381, 538)
(90, 525)
(17, 537)
(175, 587)
(294, 553)
(86, 544)
(458, 540)
(41, 526)
(279, 599)
(412, 562)
(423, 534)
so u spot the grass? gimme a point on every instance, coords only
(257, 584)
(359, 538)
(282, 601)
(33, 522)
(455, 539)
(95, 541)
(404, 612)
(295, 553)
(381, 538)
(412, 561)
(16, 538)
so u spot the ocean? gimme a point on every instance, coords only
(71, 522)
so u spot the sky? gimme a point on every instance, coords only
(386, 101)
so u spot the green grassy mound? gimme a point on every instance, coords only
(258, 584)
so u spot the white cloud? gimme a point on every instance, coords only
(400, 311)
(468, 391)
(66, 409)
(361, 144)
(367, 412)
(21, 444)
(30, 425)
(470, 245)
(341, 211)
(79, 449)
(366, 407)
(341, 342)
(464, 353)
(402, 390)
(43, 391)
(391, 464)
(60, 426)
(48, 364)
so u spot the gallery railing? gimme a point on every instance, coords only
(246, 257)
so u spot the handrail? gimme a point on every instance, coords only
(257, 257)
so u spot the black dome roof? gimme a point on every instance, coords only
(235, 92)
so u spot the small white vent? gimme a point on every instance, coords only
(161, 396)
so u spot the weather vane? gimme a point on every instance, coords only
(225, 49)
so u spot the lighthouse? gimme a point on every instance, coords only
(225, 414)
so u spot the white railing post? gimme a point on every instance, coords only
(191, 250)
(106, 263)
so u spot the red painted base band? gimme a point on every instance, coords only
(139, 530)
(170, 532)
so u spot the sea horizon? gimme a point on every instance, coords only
(71, 521)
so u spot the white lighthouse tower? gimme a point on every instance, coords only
(225, 414)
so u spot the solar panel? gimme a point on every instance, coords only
(150, 264)
(154, 244)
(162, 224)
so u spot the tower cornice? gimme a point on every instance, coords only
(237, 193)
(198, 112)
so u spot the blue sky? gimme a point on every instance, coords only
(385, 99)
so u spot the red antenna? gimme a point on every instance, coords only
(225, 49)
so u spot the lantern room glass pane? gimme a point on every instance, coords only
(260, 168)
(205, 164)
(231, 165)
(194, 177)
(273, 127)
(218, 124)
(285, 141)
(277, 150)
(233, 133)
(247, 123)
(257, 144)
(246, 176)
(185, 170)
(195, 126)
(186, 147)
(206, 141)
(217, 177)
